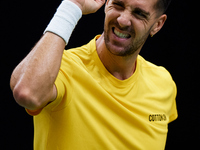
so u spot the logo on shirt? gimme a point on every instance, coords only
(157, 117)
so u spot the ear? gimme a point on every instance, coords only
(158, 25)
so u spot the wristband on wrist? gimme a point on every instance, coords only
(64, 20)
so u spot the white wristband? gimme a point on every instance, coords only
(65, 20)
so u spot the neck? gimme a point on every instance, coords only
(120, 67)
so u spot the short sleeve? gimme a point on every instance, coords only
(173, 112)
(62, 84)
(61, 88)
(61, 91)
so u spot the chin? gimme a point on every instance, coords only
(119, 50)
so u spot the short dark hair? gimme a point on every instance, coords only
(162, 5)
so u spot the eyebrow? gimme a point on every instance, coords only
(119, 2)
(134, 9)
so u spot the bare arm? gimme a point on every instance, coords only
(32, 81)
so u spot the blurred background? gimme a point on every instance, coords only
(174, 47)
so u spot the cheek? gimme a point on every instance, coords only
(140, 27)
(110, 19)
(111, 13)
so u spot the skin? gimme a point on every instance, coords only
(136, 18)
(32, 81)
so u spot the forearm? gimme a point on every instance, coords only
(34, 77)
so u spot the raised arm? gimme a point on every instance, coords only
(32, 81)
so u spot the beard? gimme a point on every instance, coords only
(135, 45)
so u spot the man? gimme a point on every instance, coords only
(102, 95)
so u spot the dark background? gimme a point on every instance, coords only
(174, 47)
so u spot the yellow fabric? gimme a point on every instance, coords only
(94, 110)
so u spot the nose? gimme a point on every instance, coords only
(124, 19)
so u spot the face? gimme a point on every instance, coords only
(128, 24)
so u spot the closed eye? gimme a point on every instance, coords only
(139, 13)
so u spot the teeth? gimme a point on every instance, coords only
(121, 35)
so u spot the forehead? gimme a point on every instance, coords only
(145, 4)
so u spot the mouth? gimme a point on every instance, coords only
(120, 34)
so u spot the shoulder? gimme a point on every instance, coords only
(80, 53)
(157, 74)
(153, 69)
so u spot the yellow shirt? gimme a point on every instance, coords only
(95, 110)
